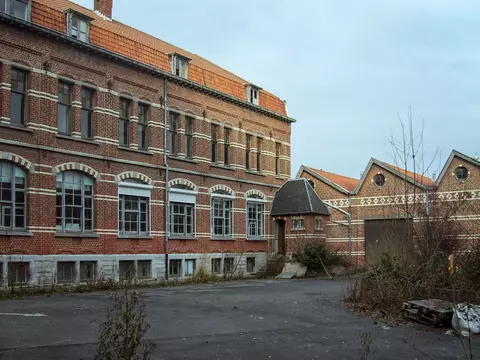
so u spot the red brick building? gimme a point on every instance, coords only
(90, 189)
(376, 202)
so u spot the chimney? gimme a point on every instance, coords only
(105, 7)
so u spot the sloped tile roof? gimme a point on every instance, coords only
(297, 197)
(135, 44)
(345, 182)
(421, 179)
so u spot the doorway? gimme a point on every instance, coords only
(279, 237)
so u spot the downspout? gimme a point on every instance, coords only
(167, 202)
(348, 216)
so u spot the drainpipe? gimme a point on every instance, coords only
(167, 202)
(348, 216)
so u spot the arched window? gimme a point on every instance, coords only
(74, 202)
(255, 217)
(12, 196)
(134, 207)
(222, 214)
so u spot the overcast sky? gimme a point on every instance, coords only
(346, 68)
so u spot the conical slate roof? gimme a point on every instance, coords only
(297, 197)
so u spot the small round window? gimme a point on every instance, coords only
(461, 173)
(379, 179)
(312, 184)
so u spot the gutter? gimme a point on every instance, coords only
(147, 68)
(167, 187)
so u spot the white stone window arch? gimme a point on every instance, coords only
(182, 196)
(255, 215)
(134, 205)
(222, 212)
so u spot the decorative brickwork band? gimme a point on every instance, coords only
(255, 193)
(76, 166)
(27, 165)
(222, 188)
(134, 175)
(183, 182)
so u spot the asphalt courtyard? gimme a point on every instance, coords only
(301, 319)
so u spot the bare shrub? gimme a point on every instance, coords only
(317, 258)
(120, 336)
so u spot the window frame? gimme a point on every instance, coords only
(142, 129)
(381, 182)
(222, 199)
(28, 9)
(214, 143)
(26, 271)
(318, 223)
(88, 110)
(73, 15)
(214, 263)
(278, 169)
(189, 137)
(253, 94)
(184, 215)
(63, 206)
(142, 192)
(73, 273)
(124, 120)
(465, 171)
(179, 65)
(13, 204)
(21, 94)
(259, 154)
(248, 150)
(259, 208)
(131, 270)
(226, 263)
(62, 85)
(226, 145)
(173, 120)
(179, 262)
(186, 271)
(298, 224)
(250, 258)
(93, 271)
(138, 272)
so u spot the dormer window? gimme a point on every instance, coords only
(78, 26)
(253, 93)
(179, 65)
(17, 8)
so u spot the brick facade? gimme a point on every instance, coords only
(368, 201)
(39, 149)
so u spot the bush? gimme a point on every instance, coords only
(316, 257)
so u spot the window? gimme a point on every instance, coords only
(311, 183)
(259, 154)
(124, 122)
(217, 266)
(74, 202)
(298, 224)
(64, 108)
(175, 268)
(133, 215)
(182, 219)
(180, 66)
(17, 8)
(189, 137)
(173, 134)
(88, 270)
(144, 269)
(221, 217)
(226, 146)
(461, 173)
(142, 126)
(18, 273)
(65, 272)
(18, 97)
(12, 197)
(255, 216)
(379, 179)
(250, 265)
(248, 150)
(190, 267)
(87, 114)
(126, 269)
(252, 94)
(228, 265)
(77, 27)
(214, 136)
(277, 158)
(318, 224)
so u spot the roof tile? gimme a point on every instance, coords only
(345, 182)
